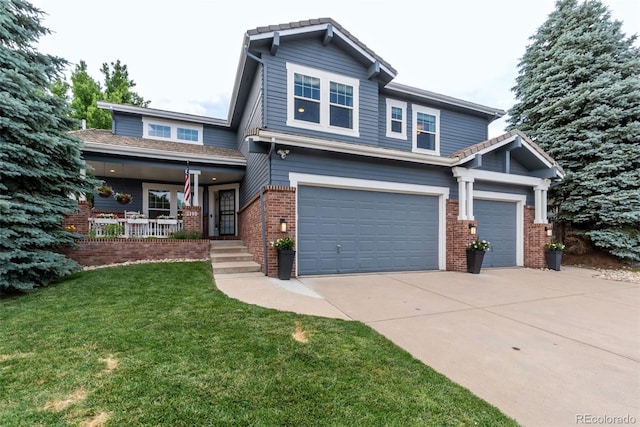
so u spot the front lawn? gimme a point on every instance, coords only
(158, 344)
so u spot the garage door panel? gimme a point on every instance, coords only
(497, 224)
(377, 231)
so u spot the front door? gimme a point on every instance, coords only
(227, 212)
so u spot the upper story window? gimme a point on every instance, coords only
(160, 131)
(171, 131)
(322, 101)
(426, 135)
(396, 119)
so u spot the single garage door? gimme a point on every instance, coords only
(357, 231)
(497, 224)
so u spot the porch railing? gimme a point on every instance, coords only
(133, 228)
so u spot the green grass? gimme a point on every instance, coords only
(158, 344)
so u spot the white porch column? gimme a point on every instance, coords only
(196, 193)
(465, 198)
(470, 199)
(541, 202)
(462, 199)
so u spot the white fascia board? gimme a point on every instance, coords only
(171, 115)
(160, 154)
(357, 149)
(321, 27)
(504, 178)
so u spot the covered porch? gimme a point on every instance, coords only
(153, 173)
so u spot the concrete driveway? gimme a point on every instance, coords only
(548, 348)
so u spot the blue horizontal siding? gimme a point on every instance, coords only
(351, 166)
(127, 125)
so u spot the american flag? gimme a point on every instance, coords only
(187, 187)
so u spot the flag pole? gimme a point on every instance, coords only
(187, 186)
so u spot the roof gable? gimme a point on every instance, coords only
(523, 148)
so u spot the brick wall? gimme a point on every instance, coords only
(250, 229)
(279, 202)
(458, 237)
(192, 218)
(79, 219)
(113, 251)
(535, 237)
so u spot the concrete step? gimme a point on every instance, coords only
(231, 256)
(228, 249)
(235, 267)
(218, 243)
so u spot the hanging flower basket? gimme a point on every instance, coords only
(104, 191)
(124, 198)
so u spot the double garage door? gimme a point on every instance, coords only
(357, 231)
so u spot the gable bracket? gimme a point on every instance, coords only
(328, 35)
(476, 162)
(516, 143)
(275, 43)
(374, 70)
(550, 173)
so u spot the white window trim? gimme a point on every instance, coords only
(325, 77)
(173, 195)
(296, 179)
(403, 131)
(414, 117)
(146, 121)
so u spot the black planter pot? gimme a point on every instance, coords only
(474, 261)
(285, 263)
(554, 258)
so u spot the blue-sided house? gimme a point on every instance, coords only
(368, 174)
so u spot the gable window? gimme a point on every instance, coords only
(396, 119)
(171, 131)
(159, 131)
(426, 134)
(323, 101)
(188, 134)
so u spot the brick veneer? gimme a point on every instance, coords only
(458, 237)
(279, 202)
(79, 218)
(112, 251)
(192, 218)
(535, 237)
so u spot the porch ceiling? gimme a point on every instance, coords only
(145, 171)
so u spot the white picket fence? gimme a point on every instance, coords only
(133, 228)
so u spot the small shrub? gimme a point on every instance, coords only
(186, 235)
(113, 230)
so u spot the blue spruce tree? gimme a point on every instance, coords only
(578, 97)
(40, 164)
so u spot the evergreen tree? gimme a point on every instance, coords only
(40, 164)
(578, 97)
(86, 92)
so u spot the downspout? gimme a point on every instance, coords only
(263, 219)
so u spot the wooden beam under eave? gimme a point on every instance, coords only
(516, 143)
(374, 70)
(275, 43)
(328, 36)
(476, 162)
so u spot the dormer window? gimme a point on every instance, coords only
(171, 131)
(322, 101)
(426, 132)
(396, 119)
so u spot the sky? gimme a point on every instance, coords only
(183, 55)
